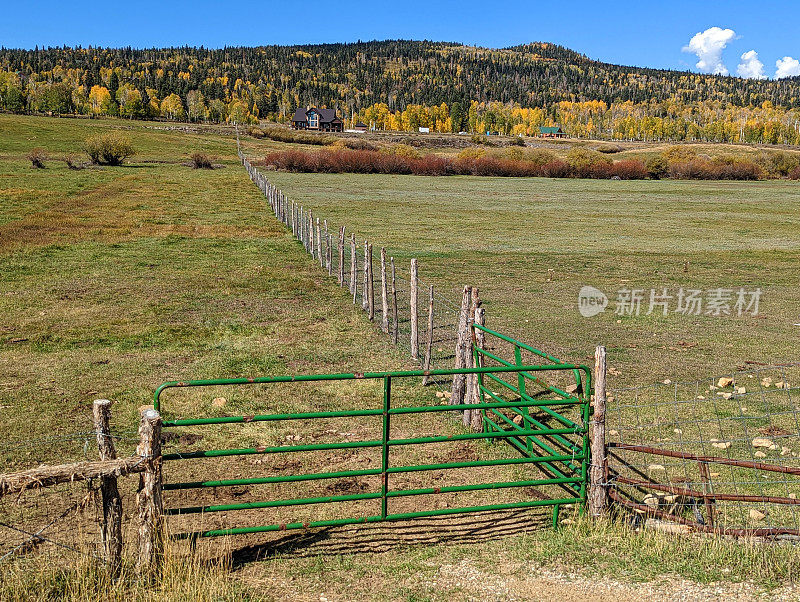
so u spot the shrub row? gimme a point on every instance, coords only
(583, 164)
(356, 161)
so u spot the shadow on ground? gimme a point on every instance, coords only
(385, 537)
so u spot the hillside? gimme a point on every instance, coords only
(448, 80)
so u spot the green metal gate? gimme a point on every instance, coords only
(544, 436)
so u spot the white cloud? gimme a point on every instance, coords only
(751, 67)
(708, 46)
(787, 67)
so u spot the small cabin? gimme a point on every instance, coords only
(322, 120)
(551, 132)
(360, 126)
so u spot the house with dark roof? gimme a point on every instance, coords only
(323, 120)
(552, 132)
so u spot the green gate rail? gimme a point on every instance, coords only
(543, 441)
(564, 464)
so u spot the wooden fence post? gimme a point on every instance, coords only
(597, 490)
(327, 238)
(329, 257)
(341, 256)
(384, 294)
(151, 508)
(429, 341)
(310, 234)
(111, 532)
(459, 380)
(471, 382)
(353, 267)
(479, 342)
(318, 246)
(371, 286)
(364, 279)
(395, 318)
(414, 303)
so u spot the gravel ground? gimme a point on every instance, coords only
(548, 584)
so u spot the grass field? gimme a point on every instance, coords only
(113, 280)
(531, 244)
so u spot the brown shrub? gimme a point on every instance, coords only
(37, 156)
(556, 169)
(722, 169)
(630, 169)
(693, 169)
(202, 161)
(795, 173)
(73, 161)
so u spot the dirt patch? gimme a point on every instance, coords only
(347, 486)
(462, 452)
(773, 431)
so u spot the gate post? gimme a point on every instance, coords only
(597, 489)
(458, 389)
(111, 533)
(151, 507)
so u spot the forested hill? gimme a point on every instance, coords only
(270, 81)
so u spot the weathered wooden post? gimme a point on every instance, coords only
(310, 233)
(111, 531)
(429, 340)
(395, 319)
(327, 237)
(471, 382)
(459, 380)
(384, 294)
(353, 267)
(341, 256)
(318, 246)
(365, 279)
(371, 286)
(479, 342)
(597, 490)
(414, 303)
(329, 257)
(151, 508)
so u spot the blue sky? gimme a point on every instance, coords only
(634, 33)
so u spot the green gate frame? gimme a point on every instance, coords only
(566, 461)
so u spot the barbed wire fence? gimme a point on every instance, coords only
(417, 317)
(718, 455)
(80, 506)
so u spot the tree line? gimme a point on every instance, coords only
(403, 85)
